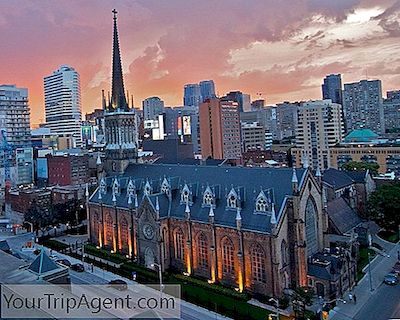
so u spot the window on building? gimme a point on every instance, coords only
(179, 245)
(311, 227)
(202, 251)
(258, 264)
(228, 260)
(185, 194)
(165, 188)
(262, 203)
(124, 233)
(232, 199)
(147, 188)
(208, 197)
(109, 230)
(165, 243)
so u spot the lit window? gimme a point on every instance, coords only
(258, 264)
(179, 245)
(203, 251)
(227, 256)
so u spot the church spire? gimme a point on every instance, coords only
(118, 98)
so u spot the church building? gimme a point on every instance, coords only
(249, 228)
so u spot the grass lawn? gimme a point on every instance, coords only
(216, 298)
(363, 261)
(389, 235)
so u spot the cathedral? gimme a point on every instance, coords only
(251, 229)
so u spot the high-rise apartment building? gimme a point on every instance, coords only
(253, 136)
(62, 95)
(320, 126)
(192, 94)
(16, 163)
(332, 88)
(391, 110)
(207, 90)
(220, 129)
(15, 115)
(152, 107)
(363, 107)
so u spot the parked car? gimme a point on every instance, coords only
(391, 279)
(118, 284)
(396, 269)
(64, 262)
(78, 267)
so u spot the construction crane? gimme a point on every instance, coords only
(7, 149)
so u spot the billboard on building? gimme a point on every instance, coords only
(179, 126)
(187, 130)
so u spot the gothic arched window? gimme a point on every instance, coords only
(179, 244)
(311, 227)
(208, 197)
(185, 194)
(202, 250)
(124, 234)
(109, 230)
(165, 243)
(228, 261)
(232, 199)
(165, 188)
(258, 263)
(262, 203)
(147, 188)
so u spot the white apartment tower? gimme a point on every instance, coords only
(319, 127)
(62, 94)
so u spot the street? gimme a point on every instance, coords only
(188, 311)
(384, 304)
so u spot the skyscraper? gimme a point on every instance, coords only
(391, 109)
(119, 118)
(220, 129)
(207, 90)
(241, 98)
(152, 107)
(192, 95)
(320, 126)
(332, 88)
(62, 99)
(363, 107)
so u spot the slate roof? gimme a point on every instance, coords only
(337, 178)
(325, 266)
(247, 182)
(43, 264)
(357, 176)
(342, 215)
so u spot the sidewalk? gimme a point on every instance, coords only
(380, 266)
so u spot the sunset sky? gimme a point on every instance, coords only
(280, 48)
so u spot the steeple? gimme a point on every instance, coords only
(118, 98)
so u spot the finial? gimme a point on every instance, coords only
(318, 173)
(157, 205)
(98, 161)
(294, 176)
(136, 201)
(100, 197)
(129, 200)
(114, 199)
(115, 14)
(273, 216)
(211, 213)
(87, 190)
(187, 210)
(238, 215)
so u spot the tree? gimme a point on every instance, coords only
(39, 216)
(361, 166)
(384, 206)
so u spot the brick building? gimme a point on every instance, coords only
(249, 228)
(68, 169)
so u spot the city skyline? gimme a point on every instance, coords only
(283, 57)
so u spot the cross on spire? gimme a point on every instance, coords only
(115, 14)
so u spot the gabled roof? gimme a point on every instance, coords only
(248, 180)
(337, 178)
(357, 176)
(43, 264)
(342, 216)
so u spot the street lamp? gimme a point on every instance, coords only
(159, 274)
(277, 306)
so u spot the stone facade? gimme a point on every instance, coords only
(234, 255)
